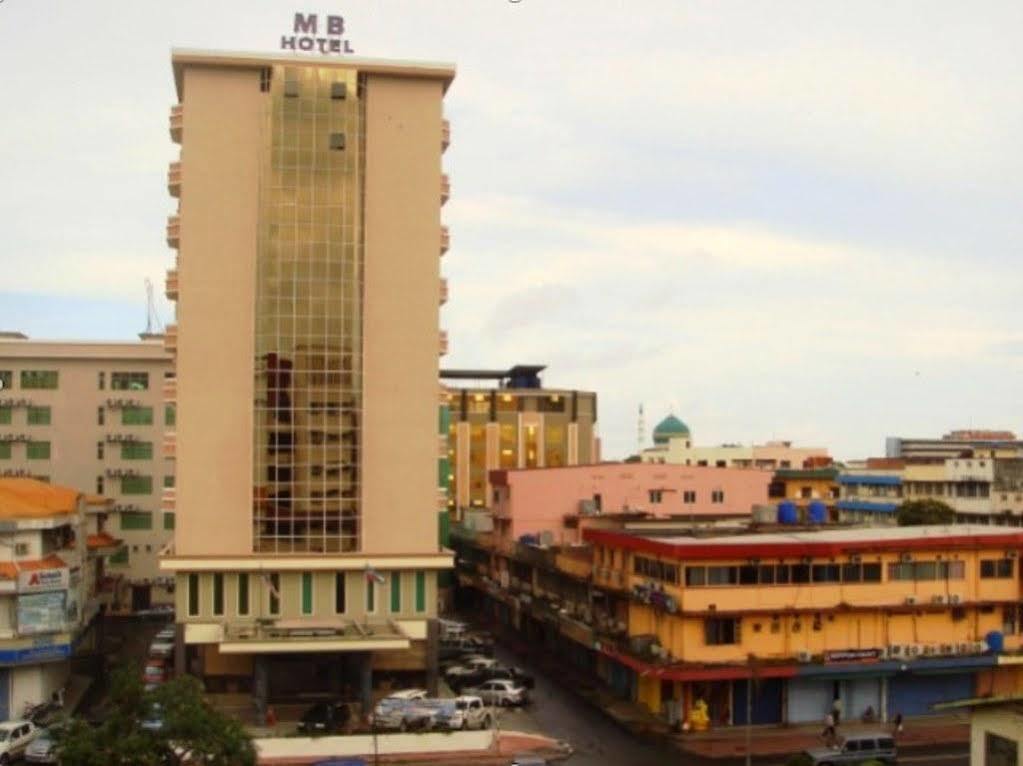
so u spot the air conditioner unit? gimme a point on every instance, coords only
(954, 598)
(979, 647)
(913, 650)
(939, 599)
(896, 650)
(910, 600)
(964, 647)
(929, 650)
(947, 649)
(905, 557)
(804, 656)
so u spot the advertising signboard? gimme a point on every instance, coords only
(42, 612)
(39, 580)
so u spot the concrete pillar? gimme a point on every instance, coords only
(366, 682)
(432, 656)
(261, 684)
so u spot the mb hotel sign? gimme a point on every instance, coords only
(316, 34)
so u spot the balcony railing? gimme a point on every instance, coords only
(443, 291)
(170, 443)
(171, 285)
(445, 239)
(174, 179)
(445, 134)
(443, 342)
(445, 188)
(176, 122)
(170, 390)
(173, 230)
(170, 338)
(313, 630)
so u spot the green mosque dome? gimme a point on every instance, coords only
(669, 427)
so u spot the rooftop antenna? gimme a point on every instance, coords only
(640, 431)
(153, 324)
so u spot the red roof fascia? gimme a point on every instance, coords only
(779, 550)
(703, 673)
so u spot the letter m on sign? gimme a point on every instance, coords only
(305, 23)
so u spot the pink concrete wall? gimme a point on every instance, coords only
(532, 501)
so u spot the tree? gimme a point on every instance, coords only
(181, 728)
(916, 512)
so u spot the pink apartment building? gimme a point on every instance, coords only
(555, 503)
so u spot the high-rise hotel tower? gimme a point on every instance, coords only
(308, 238)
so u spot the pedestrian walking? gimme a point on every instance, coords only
(897, 724)
(271, 720)
(836, 710)
(829, 730)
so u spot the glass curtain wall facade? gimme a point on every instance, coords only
(309, 286)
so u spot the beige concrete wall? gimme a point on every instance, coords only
(74, 429)
(400, 327)
(1005, 721)
(220, 158)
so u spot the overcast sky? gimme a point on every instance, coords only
(779, 220)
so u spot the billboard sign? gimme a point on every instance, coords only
(39, 580)
(42, 612)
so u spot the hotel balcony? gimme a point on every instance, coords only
(170, 338)
(171, 284)
(443, 342)
(170, 390)
(443, 291)
(445, 239)
(176, 122)
(174, 179)
(170, 443)
(445, 134)
(173, 230)
(168, 499)
(445, 188)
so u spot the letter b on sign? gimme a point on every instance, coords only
(335, 25)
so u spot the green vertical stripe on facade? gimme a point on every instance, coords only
(396, 591)
(420, 591)
(307, 593)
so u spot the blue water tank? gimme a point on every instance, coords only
(995, 641)
(817, 512)
(787, 512)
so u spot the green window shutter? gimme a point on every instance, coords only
(395, 592)
(307, 593)
(39, 379)
(275, 588)
(38, 451)
(193, 595)
(243, 594)
(168, 520)
(420, 591)
(38, 416)
(218, 593)
(137, 485)
(136, 520)
(120, 557)
(5, 450)
(5, 416)
(170, 415)
(340, 592)
(168, 481)
(371, 595)
(137, 416)
(136, 451)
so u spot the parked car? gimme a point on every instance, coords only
(471, 666)
(166, 634)
(43, 749)
(499, 692)
(15, 737)
(518, 675)
(465, 645)
(153, 720)
(161, 649)
(451, 629)
(857, 748)
(156, 671)
(325, 718)
(463, 713)
(389, 713)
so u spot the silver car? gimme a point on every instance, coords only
(499, 691)
(855, 749)
(43, 749)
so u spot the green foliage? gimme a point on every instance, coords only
(916, 512)
(191, 731)
(802, 759)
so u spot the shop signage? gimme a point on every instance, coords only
(852, 655)
(42, 612)
(42, 580)
(35, 654)
(317, 34)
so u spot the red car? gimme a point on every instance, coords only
(156, 671)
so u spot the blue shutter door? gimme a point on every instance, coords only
(911, 694)
(767, 696)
